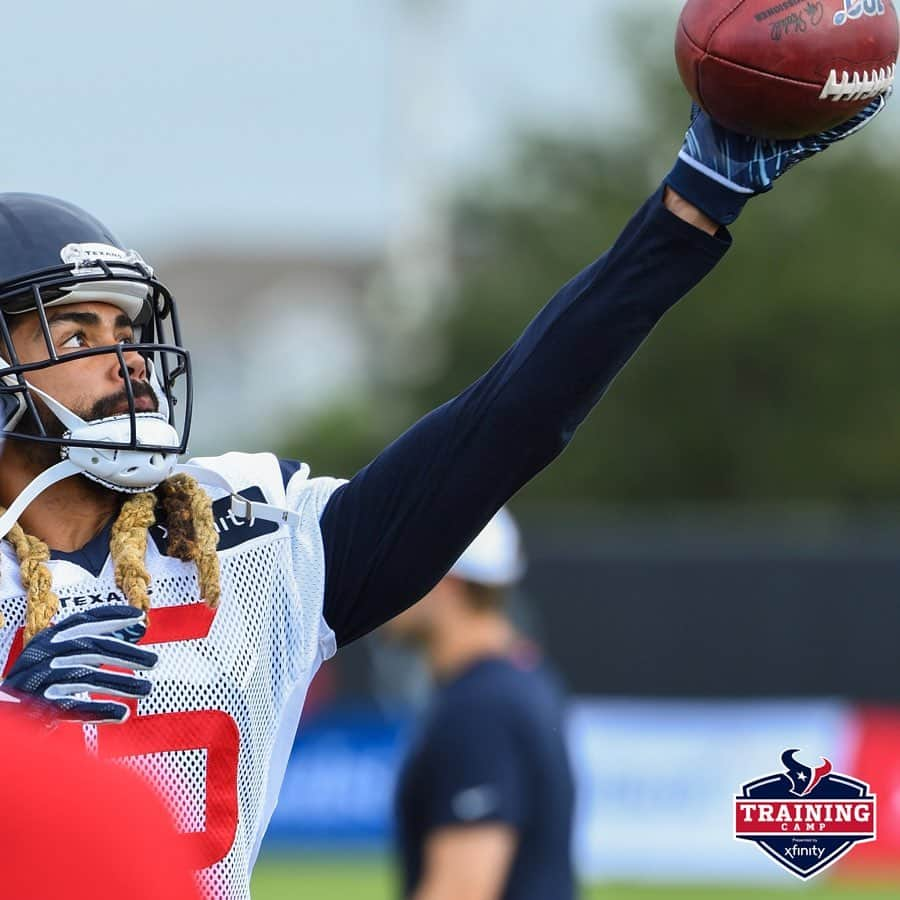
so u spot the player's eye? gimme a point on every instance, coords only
(74, 341)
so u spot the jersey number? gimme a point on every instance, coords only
(212, 731)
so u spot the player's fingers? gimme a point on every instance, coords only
(132, 633)
(101, 620)
(80, 680)
(90, 711)
(99, 651)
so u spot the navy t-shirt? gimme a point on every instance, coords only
(491, 750)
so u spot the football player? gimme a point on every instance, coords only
(252, 571)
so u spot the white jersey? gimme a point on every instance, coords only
(216, 729)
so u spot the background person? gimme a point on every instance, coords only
(485, 797)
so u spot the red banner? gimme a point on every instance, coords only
(875, 758)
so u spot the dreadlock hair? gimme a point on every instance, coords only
(192, 537)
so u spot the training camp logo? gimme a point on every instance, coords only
(805, 818)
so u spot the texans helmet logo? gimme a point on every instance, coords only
(803, 779)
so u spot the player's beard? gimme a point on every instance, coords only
(42, 456)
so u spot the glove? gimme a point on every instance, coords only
(719, 171)
(64, 659)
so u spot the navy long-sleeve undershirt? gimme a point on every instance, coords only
(398, 525)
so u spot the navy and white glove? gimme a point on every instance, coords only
(64, 660)
(718, 171)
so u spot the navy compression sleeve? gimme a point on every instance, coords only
(398, 525)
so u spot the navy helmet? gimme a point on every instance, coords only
(53, 253)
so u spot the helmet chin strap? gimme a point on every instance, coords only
(47, 478)
(129, 471)
(241, 507)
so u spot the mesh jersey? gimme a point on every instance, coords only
(216, 730)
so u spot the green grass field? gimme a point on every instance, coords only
(355, 879)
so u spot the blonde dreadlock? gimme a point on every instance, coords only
(128, 547)
(192, 537)
(42, 604)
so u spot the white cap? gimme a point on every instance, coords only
(495, 557)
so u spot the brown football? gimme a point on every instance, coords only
(786, 68)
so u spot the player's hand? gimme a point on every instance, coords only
(65, 659)
(718, 171)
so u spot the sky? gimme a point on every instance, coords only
(284, 122)
(288, 123)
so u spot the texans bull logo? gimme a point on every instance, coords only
(803, 778)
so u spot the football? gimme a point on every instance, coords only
(786, 68)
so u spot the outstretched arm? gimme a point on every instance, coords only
(393, 530)
(398, 525)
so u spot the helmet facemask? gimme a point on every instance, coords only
(130, 451)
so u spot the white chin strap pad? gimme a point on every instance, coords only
(130, 471)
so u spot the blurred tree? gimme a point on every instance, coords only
(778, 380)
